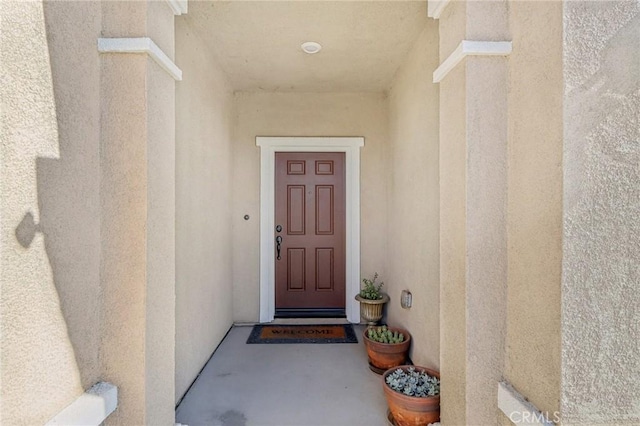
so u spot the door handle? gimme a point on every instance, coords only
(278, 243)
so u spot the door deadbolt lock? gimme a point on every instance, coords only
(279, 228)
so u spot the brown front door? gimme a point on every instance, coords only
(310, 228)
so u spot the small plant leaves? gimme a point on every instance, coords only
(413, 383)
(383, 335)
(371, 291)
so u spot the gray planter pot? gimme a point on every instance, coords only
(371, 310)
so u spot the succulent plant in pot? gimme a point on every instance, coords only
(371, 300)
(387, 347)
(413, 395)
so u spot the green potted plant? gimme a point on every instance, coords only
(387, 347)
(371, 300)
(413, 395)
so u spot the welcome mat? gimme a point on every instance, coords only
(341, 333)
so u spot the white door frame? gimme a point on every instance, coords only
(268, 148)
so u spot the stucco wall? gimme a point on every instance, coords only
(486, 212)
(137, 190)
(601, 267)
(413, 207)
(204, 104)
(50, 289)
(160, 300)
(123, 266)
(535, 202)
(304, 114)
(486, 234)
(500, 277)
(452, 222)
(69, 185)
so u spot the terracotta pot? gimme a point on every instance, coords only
(383, 356)
(371, 310)
(412, 410)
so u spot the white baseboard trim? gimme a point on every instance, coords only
(518, 409)
(140, 45)
(471, 48)
(91, 408)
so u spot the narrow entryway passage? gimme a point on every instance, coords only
(285, 384)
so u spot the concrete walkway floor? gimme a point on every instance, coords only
(285, 385)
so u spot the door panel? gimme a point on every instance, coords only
(296, 209)
(310, 207)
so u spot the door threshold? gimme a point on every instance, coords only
(309, 313)
(309, 321)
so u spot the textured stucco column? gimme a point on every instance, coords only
(486, 269)
(138, 216)
(473, 176)
(486, 227)
(532, 364)
(601, 247)
(452, 249)
(452, 222)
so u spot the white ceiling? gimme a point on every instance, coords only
(257, 43)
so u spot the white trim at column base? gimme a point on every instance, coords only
(517, 409)
(471, 48)
(268, 147)
(91, 408)
(140, 45)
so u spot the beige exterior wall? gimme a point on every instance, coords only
(413, 238)
(72, 234)
(138, 218)
(452, 248)
(500, 219)
(204, 104)
(123, 266)
(486, 212)
(486, 234)
(599, 100)
(50, 289)
(88, 150)
(160, 299)
(452, 221)
(601, 266)
(535, 203)
(304, 114)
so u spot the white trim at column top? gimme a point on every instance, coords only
(140, 45)
(435, 8)
(268, 148)
(178, 7)
(470, 48)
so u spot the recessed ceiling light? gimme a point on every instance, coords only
(311, 47)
